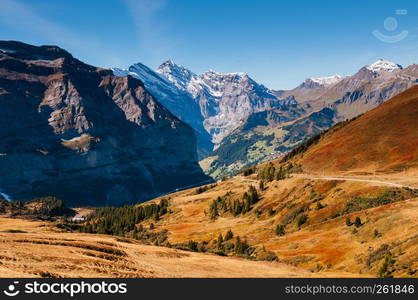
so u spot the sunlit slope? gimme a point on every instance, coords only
(313, 215)
(37, 249)
(384, 139)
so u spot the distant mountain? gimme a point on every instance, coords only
(249, 123)
(80, 133)
(224, 99)
(175, 99)
(214, 104)
(352, 95)
(312, 83)
(384, 139)
(383, 65)
(318, 103)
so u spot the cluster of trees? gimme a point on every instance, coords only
(357, 222)
(280, 229)
(302, 219)
(158, 238)
(387, 197)
(269, 173)
(228, 244)
(241, 247)
(202, 189)
(387, 267)
(221, 239)
(224, 244)
(43, 207)
(235, 207)
(249, 171)
(50, 206)
(221, 246)
(122, 220)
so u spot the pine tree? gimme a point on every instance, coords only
(246, 206)
(348, 221)
(214, 210)
(280, 230)
(385, 270)
(192, 246)
(238, 245)
(302, 220)
(357, 222)
(253, 195)
(229, 235)
(280, 174)
(219, 241)
(319, 205)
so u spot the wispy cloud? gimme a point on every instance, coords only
(152, 31)
(17, 15)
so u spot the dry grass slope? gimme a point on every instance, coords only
(37, 249)
(324, 243)
(384, 139)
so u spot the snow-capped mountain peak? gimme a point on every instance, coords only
(383, 65)
(326, 81)
(178, 75)
(321, 82)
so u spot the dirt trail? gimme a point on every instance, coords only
(342, 178)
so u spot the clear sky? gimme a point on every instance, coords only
(278, 43)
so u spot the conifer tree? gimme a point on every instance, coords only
(357, 222)
(280, 230)
(229, 235)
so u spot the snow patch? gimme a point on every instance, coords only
(329, 80)
(7, 51)
(5, 196)
(383, 65)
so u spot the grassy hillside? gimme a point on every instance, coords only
(384, 139)
(318, 225)
(286, 218)
(39, 249)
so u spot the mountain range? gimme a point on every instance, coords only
(239, 122)
(106, 131)
(341, 202)
(321, 103)
(214, 104)
(325, 175)
(80, 133)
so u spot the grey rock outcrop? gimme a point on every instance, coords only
(80, 133)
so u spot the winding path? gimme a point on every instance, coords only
(360, 180)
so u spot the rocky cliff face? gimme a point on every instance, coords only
(176, 100)
(80, 133)
(214, 104)
(224, 99)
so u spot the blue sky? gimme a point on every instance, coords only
(278, 43)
